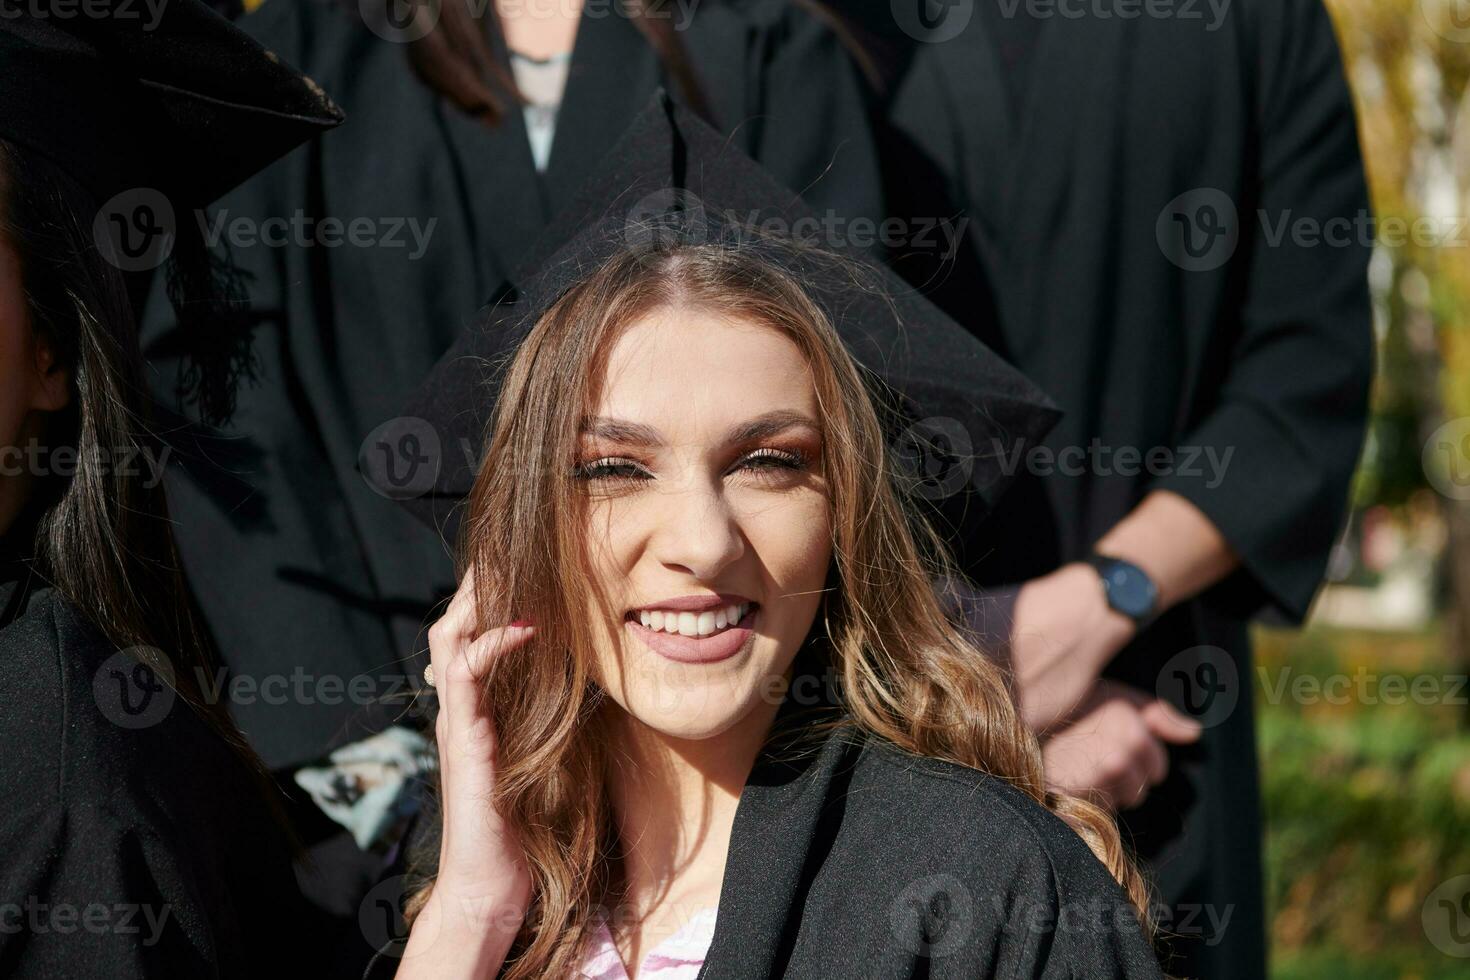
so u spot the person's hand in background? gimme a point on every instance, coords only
(1063, 636)
(1115, 749)
(1065, 632)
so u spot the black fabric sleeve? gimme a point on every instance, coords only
(87, 895)
(1058, 916)
(1294, 401)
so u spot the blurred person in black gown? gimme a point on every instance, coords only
(462, 141)
(141, 835)
(1166, 210)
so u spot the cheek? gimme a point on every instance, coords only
(16, 357)
(791, 539)
(613, 529)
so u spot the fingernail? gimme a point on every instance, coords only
(521, 622)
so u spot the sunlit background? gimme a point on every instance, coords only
(1364, 737)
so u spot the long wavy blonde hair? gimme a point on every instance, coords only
(905, 672)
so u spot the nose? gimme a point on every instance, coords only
(696, 531)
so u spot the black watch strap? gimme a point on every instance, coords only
(1128, 588)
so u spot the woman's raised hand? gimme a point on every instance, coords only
(483, 887)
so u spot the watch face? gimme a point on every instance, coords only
(1130, 591)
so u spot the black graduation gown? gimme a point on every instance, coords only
(858, 860)
(134, 843)
(301, 569)
(1260, 353)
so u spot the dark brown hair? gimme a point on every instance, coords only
(103, 538)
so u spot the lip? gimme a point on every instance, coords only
(696, 603)
(698, 649)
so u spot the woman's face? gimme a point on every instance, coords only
(28, 385)
(706, 500)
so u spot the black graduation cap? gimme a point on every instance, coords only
(156, 108)
(672, 178)
(168, 95)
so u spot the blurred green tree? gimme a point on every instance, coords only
(1409, 62)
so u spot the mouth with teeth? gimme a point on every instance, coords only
(698, 636)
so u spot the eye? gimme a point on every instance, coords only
(769, 462)
(609, 468)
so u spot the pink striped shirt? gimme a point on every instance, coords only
(677, 958)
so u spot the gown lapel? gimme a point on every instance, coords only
(506, 196)
(776, 846)
(614, 72)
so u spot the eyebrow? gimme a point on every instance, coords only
(638, 434)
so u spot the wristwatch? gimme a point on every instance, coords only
(1127, 587)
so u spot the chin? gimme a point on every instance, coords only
(693, 703)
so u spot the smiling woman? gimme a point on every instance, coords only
(680, 441)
